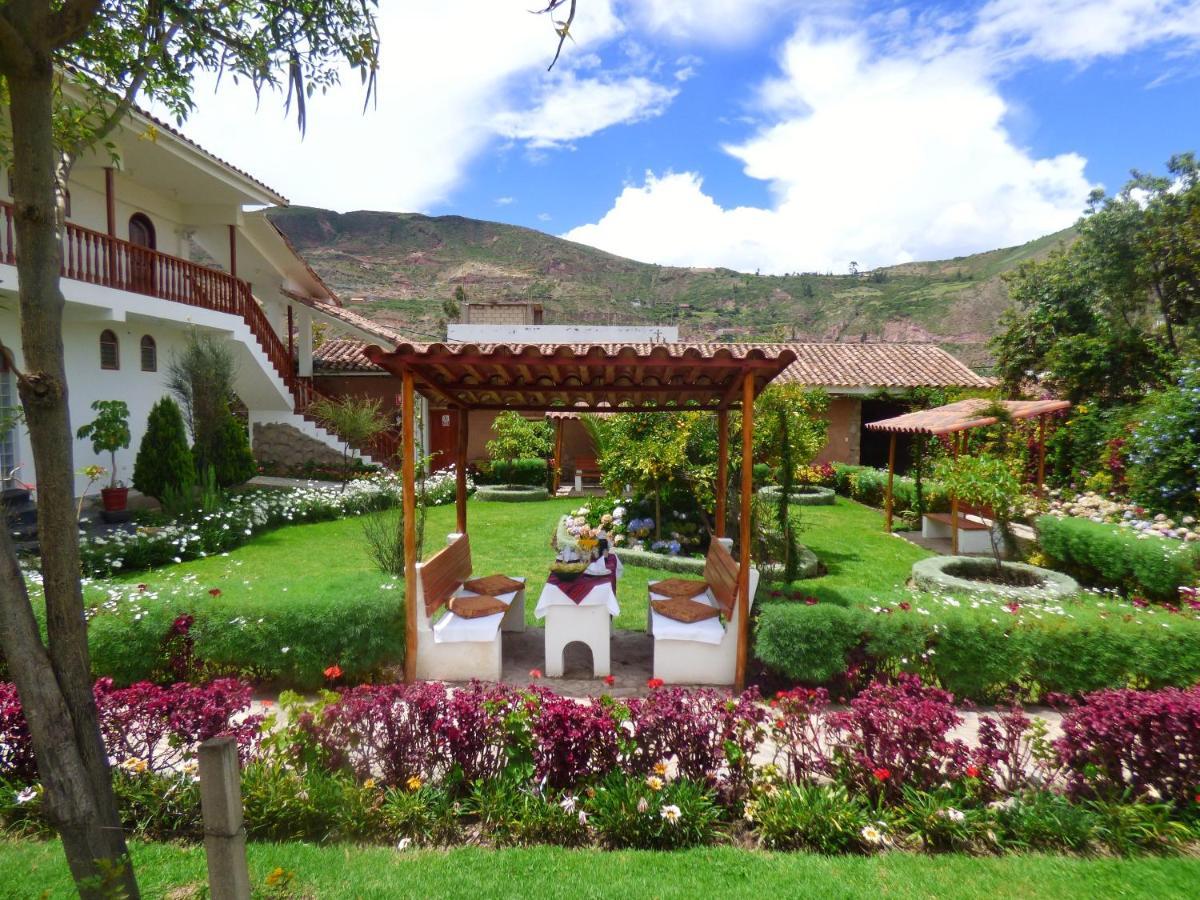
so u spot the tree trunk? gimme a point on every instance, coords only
(54, 683)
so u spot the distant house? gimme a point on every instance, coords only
(864, 381)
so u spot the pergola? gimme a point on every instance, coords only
(580, 378)
(956, 419)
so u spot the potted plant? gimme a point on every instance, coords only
(109, 432)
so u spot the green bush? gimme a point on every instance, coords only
(627, 813)
(1101, 555)
(817, 818)
(808, 643)
(869, 486)
(1165, 451)
(520, 438)
(532, 472)
(164, 462)
(227, 450)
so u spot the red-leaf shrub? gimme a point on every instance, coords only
(388, 732)
(478, 730)
(162, 726)
(800, 734)
(572, 742)
(1146, 742)
(711, 737)
(900, 728)
(16, 746)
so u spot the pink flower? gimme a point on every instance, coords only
(535, 673)
(333, 672)
(610, 680)
(882, 774)
(654, 683)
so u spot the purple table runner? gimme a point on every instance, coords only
(579, 587)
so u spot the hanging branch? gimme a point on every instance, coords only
(561, 27)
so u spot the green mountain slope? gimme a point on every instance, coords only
(400, 267)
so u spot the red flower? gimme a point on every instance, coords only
(905, 605)
(810, 601)
(535, 673)
(1013, 607)
(654, 683)
(1140, 602)
(773, 702)
(141, 587)
(882, 774)
(333, 672)
(972, 771)
(214, 592)
(780, 724)
(610, 680)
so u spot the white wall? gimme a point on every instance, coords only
(563, 334)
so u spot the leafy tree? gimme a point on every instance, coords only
(1166, 447)
(984, 481)
(355, 420)
(69, 72)
(109, 431)
(164, 461)
(225, 451)
(792, 417)
(520, 438)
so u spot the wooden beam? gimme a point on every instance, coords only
(110, 200)
(418, 360)
(722, 469)
(954, 502)
(233, 250)
(408, 487)
(460, 470)
(291, 340)
(887, 509)
(556, 475)
(743, 593)
(1041, 475)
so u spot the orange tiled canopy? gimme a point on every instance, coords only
(582, 377)
(965, 414)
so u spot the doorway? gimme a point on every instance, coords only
(141, 263)
(443, 438)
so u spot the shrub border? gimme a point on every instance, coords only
(511, 493)
(814, 495)
(644, 559)
(930, 575)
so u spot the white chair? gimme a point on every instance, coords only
(450, 647)
(703, 652)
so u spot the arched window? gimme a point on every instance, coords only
(141, 231)
(141, 262)
(149, 354)
(110, 351)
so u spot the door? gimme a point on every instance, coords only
(443, 438)
(141, 263)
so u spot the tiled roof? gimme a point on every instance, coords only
(343, 355)
(964, 414)
(818, 365)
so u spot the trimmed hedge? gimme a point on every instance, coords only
(1101, 555)
(801, 495)
(511, 493)
(978, 654)
(690, 565)
(535, 472)
(868, 486)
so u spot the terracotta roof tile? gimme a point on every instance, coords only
(343, 355)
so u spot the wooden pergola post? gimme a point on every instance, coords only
(556, 476)
(743, 589)
(955, 444)
(1041, 476)
(887, 513)
(460, 471)
(722, 469)
(408, 487)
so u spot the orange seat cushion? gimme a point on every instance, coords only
(476, 607)
(679, 587)
(493, 585)
(681, 609)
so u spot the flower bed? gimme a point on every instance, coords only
(968, 575)
(666, 562)
(802, 495)
(418, 764)
(511, 493)
(1100, 508)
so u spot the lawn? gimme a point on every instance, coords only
(37, 869)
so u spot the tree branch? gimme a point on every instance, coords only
(71, 22)
(14, 53)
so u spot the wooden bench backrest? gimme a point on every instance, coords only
(586, 462)
(721, 573)
(445, 573)
(966, 509)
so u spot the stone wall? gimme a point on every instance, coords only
(283, 445)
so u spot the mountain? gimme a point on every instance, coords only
(400, 268)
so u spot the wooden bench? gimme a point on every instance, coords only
(703, 652)
(586, 467)
(974, 536)
(450, 647)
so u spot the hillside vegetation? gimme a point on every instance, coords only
(399, 268)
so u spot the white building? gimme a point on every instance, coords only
(133, 293)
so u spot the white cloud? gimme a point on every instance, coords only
(572, 108)
(1083, 30)
(445, 69)
(505, 201)
(723, 22)
(544, 217)
(875, 159)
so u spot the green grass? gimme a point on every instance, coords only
(37, 869)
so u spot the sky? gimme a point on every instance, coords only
(762, 135)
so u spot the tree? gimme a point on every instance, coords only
(520, 438)
(70, 70)
(355, 420)
(109, 431)
(164, 462)
(986, 482)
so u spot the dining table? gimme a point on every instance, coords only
(581, 610)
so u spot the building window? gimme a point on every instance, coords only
(110, 352)
(149, 354)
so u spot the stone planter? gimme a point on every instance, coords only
(952, 574)
(511, 493)
(804, 495)
(684, 565)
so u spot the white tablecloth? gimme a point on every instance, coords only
(706, 631)
(600, 595)
(452, 629)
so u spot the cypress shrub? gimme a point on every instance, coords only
(227, 449)
(164, 462)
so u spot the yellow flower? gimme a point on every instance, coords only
(654, 783)
(414, 783)
(135, 765)
(369, 783)
(660, 769)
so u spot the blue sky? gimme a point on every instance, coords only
(759, 134)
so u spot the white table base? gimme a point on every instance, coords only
(586, 624)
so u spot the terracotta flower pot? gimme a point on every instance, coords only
(114, 499)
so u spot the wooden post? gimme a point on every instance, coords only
(1041, 476)
(460, 471)
(743, 589)
(722, 469)
(233, 250)
(110, 200)
(887, 509)
(956, 441)
(408, 487)
(556, 475)
(224, 829)
(291, 336)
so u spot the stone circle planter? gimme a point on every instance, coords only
(804, 495)
(511, 493)
(952, 574)
(684, 565)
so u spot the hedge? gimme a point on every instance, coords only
(511, 493)
(868, 486)
(1101, 555)
(533, 472)
(976, 653)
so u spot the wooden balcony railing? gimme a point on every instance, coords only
(98, 258)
